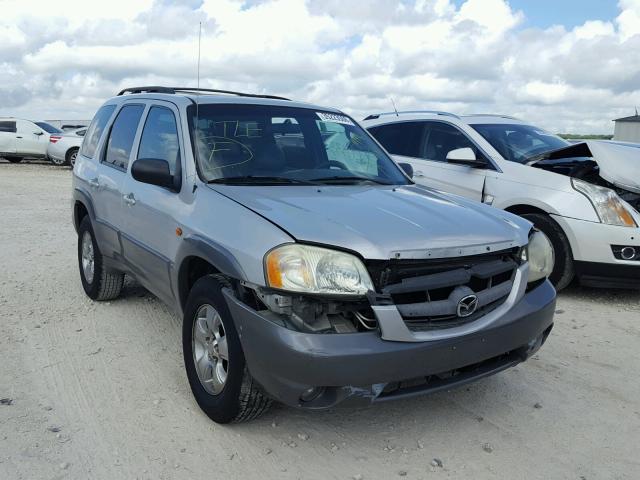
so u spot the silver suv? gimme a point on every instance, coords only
(306, 264)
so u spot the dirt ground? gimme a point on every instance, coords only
(98, 391)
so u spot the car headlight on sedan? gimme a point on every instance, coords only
(610, 208)
(316, 270)
(539, 254)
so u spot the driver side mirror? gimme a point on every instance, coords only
(407, 168)
(464, 156)
(153, 171)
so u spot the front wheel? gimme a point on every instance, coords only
(14, 159)
(563, 270)
(213, 357)
(57, 162)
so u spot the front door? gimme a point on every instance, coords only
(150, 238)
(433, 169)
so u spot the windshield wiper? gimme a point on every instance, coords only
(257, 180)
(350, 179)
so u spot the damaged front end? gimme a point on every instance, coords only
(607, 165)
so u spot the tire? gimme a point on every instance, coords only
(238, 398)
(563, 269)
(14, 159)
(101, 284)
(57, 162)
(70, 157)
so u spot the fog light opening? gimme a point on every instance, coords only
(311, 394)
(628, 253)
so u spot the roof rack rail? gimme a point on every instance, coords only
(407, 112)
(173, 90)
(491, 115)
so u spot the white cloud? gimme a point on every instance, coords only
(66, 59)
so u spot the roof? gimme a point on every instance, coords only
(205, 96)
(391, 117)
(633, 118)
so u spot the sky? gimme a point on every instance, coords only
(565, 65)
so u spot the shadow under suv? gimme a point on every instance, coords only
(306, 265)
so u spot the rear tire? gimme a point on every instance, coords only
(98, 283)
(235, 398)
(70, 158)
(14, 159)
(563, 269)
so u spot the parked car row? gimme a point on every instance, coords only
(21, 139)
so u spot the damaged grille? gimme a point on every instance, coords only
(428, 293)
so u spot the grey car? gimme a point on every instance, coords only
(307, 266)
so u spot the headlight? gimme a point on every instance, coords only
(608, 205)
(540, 256)
(307, 269)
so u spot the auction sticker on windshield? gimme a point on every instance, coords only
(334, 117)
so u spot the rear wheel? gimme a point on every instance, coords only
(14, 159)
(71, 157)
(98, 282)
(563, 270)
(213, 357)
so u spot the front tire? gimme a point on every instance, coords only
(98, 283)
(57, 162)
(563, 269)
(213, 357)
(14, 159)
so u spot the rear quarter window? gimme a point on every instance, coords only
(94, 132)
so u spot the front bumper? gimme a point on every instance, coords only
(363, 368)
(595, 263)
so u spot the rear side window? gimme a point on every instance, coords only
(400, 138)
(94, 132)
(160, 138)
(121, 136)
(9, 127)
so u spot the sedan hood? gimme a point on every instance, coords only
(382, 222)
(618, 163)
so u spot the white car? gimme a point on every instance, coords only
(21, 138)
(63, 148)
(585, 197)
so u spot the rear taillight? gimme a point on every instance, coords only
(54, 138)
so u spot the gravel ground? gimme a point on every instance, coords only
(97, 390)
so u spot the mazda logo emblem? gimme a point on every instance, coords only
(467, 306)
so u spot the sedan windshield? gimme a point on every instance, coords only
(517, 142)
(273, 145)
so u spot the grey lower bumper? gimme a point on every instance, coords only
(362, 366)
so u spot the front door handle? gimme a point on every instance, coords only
(94, 182)
(129, 199)
(18, 136)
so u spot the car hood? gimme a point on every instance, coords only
(618, 163)
(382, 222)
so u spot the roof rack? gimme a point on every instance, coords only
(491, 115)
(408, 112)
(174, 90)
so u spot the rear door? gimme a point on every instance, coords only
(8, 136)
(150, 212)
(31, 140)
(112, 171)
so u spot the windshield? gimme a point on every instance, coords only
(518, 143)
(286, 145)
(48, 128)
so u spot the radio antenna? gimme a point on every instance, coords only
(394, 106)
(199, 43)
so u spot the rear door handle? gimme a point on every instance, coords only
(418, 173)
(94, 182)
(18, 136)
(129, 199)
